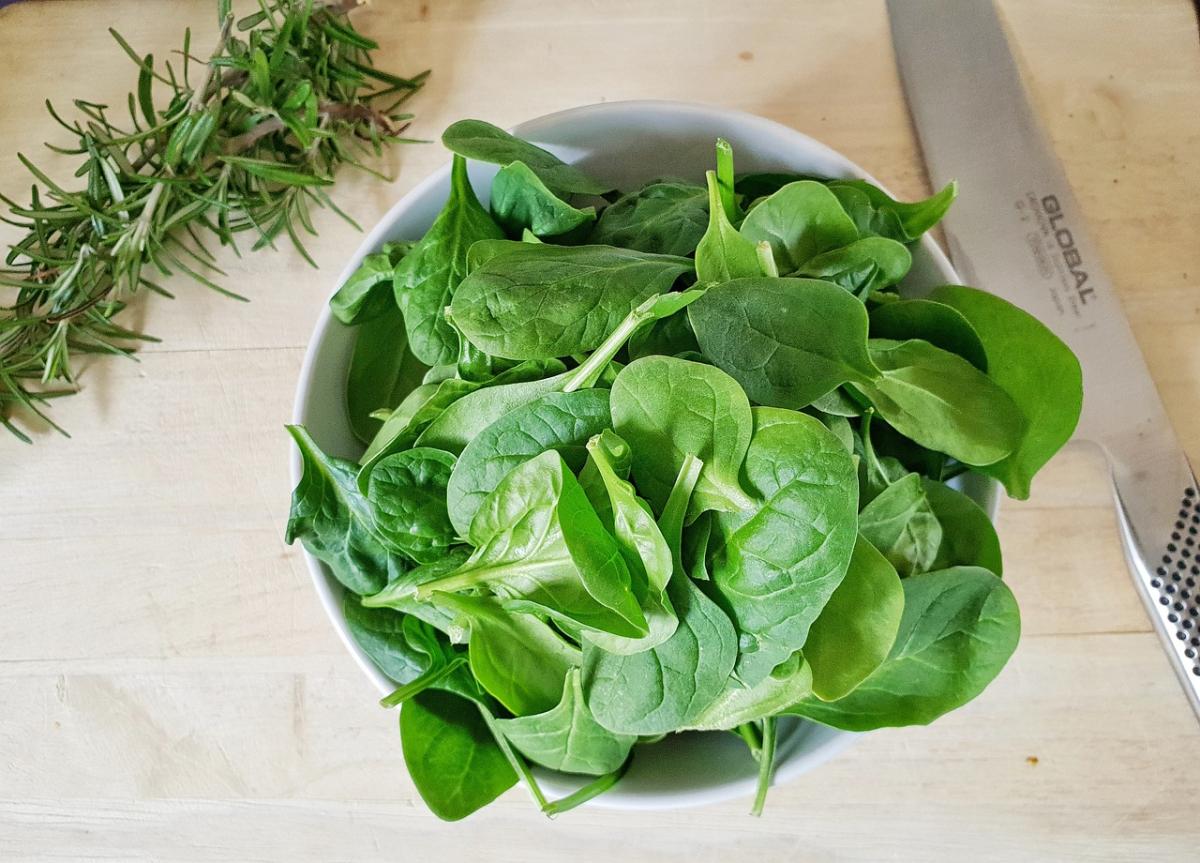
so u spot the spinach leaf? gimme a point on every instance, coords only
(539, 543)
(857, 627)
(426, 279)
(722, 253)
(759, 184)
(543, 301)
(628, 518)
(484, 250)
(368, 291)
(877, 214)
(567, 737)
(518, 658)
(738, 704)
(484, 142)
(862, 266)
(669, 409)
(800, 221)
(1035, 368)
(939, 324)
(455, 426)
(942, 402)
(670, 337)
(968, 537)
(958, 630)
(384, 635)
(451, 755)
(381, 370)
(520, 200)
(406, 423)
(662, 689)
(333, 520)
(666, 218)
(900, 523)
(786, 341)
(779, 567)
(557, 421)
(875, 473)
(407, 491)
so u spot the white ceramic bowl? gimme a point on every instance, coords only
(624, 144)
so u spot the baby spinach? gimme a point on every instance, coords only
(567, 737)
(942, 402)
(538, 542)
(669, 409)
(940, 324)
(779, 567)
(1035, 368)
(451, 755)
(900, 522)
(544, 301)
(786, 341)
(968, 537)
(407, 491)
(520, 200)
(589, 514)
(662, 689)
(666, 218)
(876, 213)
(723, 253)
(737, 704)
(557, 421)
(333, 520)
(476, 139)
(368, 291)
(958, 630)
(862, 266)
(856, 629)
(499, 644)
(799, 222)
(428, 276)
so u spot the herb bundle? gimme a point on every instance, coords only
(247, 140)
(676, 462)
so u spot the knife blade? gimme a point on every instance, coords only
(1016, 231)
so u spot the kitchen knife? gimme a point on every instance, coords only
(1016, 231)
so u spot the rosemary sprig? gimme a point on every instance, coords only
(246, 140)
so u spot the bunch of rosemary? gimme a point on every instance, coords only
(245, 141)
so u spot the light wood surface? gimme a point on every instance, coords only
(169, 687)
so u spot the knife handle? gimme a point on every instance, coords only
(1158, 508)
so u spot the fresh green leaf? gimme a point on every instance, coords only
(425, 281)
(451, 755)
(901, 524)
(567, 737)
(557, 421)
(800, 221)
(520, 200)
(333, 520)
(857, 627)
(786, 341)
(664, 218)
(789, 553)
(518, 658)
(484, 142)
(407, 492)
(937, 323)
(1035, 368)
(862, 266)
(968, 537)
(942, 402)
(958, 630)
(738, 704)
(544, 301)
(669, 409)
(722, 253)
(877, 214)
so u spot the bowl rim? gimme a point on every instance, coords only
(794, 764)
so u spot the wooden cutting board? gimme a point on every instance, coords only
(169, 687)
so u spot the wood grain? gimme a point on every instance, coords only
(169, 689)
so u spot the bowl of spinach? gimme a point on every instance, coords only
(648, 482)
